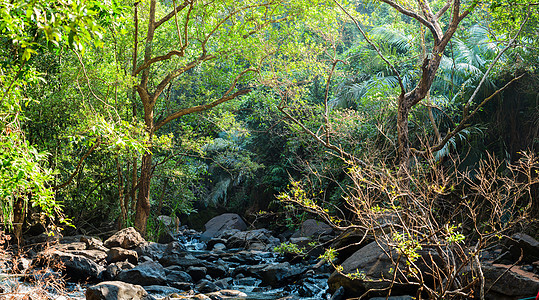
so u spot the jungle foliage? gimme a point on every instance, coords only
(115, 113)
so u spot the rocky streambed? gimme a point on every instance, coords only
(228, 261)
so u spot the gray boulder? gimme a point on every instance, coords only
(77, 267)
(151, 249)
(117, 290)
(521, 243)
(313, 229)
(127, 238)
(509, 284)
(375, 264)
(220, 223)
(248, 239)
(148, 273)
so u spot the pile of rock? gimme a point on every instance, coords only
(128, 267)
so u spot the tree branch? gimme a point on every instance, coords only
(200, 108)
(79, 164)
(171, 14)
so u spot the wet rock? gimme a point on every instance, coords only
(216, 270)
(149, 273)
(313, 229)
(226, 294)
(197, 273)
(116, 254)
(220, 223)
(219, 247)
(116, 290)
(224, 283)
(275, 275)
(176, 274)
(127, 238)
(509, 283)
(206, 286)
(161, 290)
(180, 259)
(183, 286)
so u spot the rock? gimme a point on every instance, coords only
(116, 254)
(152, 250)
(350, 241)
(93, 243)
(243, 239)
(116, 290)
(216, 270)
(339, 294)
(114, 269)
(220, 223)
(313, 229)
(226, 294)
(180, 259)
(184, 286)
(149, 273)
(375, 264)
(161, 290)
(96, 255)
(77, 267)
(167, 227)
(206, 286)
(176, 274)
(127, 238)
(525, 244)
(404, 297)
(197, 273)
(219, 247)
(224, 283)
(508, 283)
(275, 275)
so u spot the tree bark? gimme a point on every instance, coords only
(143, 200)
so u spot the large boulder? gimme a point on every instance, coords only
(525, 245)
(76, 267)
(313, 229)
(148, 273)
(127, 238)
(222, 222)
(116, 290)
(275, 275)
(152, 250)
(373, 261)
(246, 239)
(508, 284)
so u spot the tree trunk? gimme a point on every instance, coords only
(19, 211)
(143, 199)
